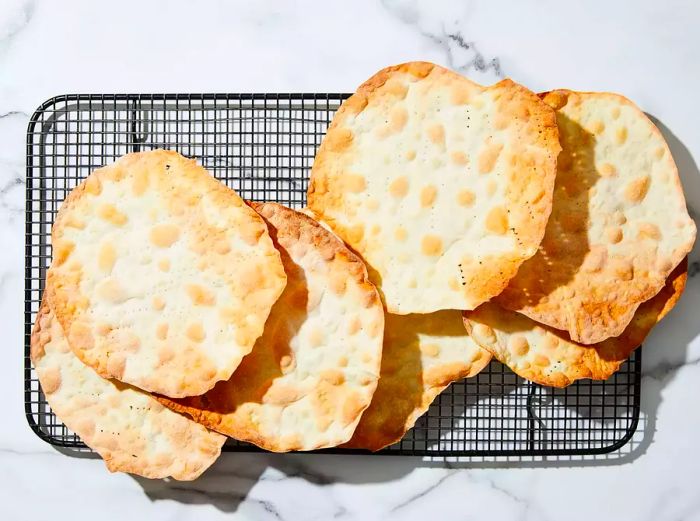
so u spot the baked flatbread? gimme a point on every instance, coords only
(127, 427)
(549, 357)
(619, 223)
(163, 277)
(441, 185)
(315, 369)
(422, 355)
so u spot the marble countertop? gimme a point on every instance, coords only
(648, 50)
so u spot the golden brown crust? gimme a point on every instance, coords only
(319, 369)
(549, 356)
(345, 192)
(606, 249)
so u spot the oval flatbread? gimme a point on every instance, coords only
(163, 276)
(549, 357)
(441, 185)
(422, 355)
(619, 223)
(315, 369)
(127, 427)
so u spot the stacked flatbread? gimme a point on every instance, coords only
(549, 357)
(447, 223)
(619, 225)
(422, 355)
(611, 263)
(162, 277)
(560, 215)
(126, 426)
(162, 280)
(314, 370)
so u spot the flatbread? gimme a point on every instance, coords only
(619, 223)
(127, 427)
(163, 277)
(422, 355)
(549, 357)
(315, 369)
(441, 185)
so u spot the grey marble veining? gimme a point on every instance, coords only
(461, 54)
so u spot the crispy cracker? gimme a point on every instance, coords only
(549, 357)
(314, 370)
(441, 185)
(126, 426)
(619, 223)
(163, 276)
(422, 355)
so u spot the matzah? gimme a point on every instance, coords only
(126, 426)
(315, 369)
(619, 223)
(441, 185)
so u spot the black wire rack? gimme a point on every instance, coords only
(263, 146)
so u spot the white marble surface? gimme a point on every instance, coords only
(649, 50)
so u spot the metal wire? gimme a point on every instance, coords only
(263, 145)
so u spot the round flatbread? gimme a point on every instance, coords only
(549, 357)
(315, 369)
(127, 427)
(422, 355)
(163, 276)
(441, 185)
(619, 223)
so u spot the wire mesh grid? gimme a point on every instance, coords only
(263, 146)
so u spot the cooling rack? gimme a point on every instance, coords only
(263, 146)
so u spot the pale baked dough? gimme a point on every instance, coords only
(441, 185)
(126, 426)
(315, 369)
(619, 223)
(549, 356)
(163, 276)
(422, 355)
